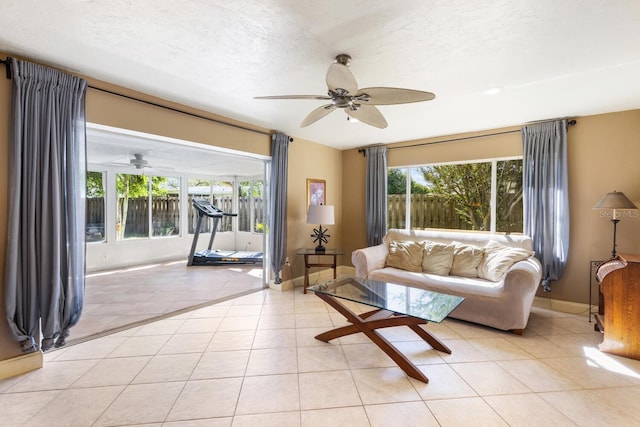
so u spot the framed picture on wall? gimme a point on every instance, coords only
(316, 192)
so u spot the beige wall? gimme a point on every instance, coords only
(311, 160)
(121, 112)
(603, 152)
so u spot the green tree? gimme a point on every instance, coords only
(397, 183)
(135, 186)
(509, 194)
(95, 188)
(468, 188)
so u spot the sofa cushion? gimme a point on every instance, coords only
(466, 260)
(437, 258)
(406, 255)
(454, 285)
(498, 259)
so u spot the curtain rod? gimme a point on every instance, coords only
(7, 63)
(363, 151)
(181, 111)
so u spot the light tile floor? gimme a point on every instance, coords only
(118, 298)
(253, 361)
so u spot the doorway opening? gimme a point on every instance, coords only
(141, 221)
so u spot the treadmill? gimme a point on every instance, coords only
(216, 257)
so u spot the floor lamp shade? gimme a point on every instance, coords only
(615, 201)
(320, 214)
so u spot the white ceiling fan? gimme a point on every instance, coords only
(357, 103)
(139, 162)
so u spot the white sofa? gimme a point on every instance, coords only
(504, 304)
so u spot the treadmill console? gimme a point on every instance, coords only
(205, 207)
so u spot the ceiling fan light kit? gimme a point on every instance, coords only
(358, 104)
(139, 162)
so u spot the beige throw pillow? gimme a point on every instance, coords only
(466, 259)
(406, 255)
(498, 259)
(437, 258)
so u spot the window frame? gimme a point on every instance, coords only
(110, 201)
(493, 191)
(104, 207)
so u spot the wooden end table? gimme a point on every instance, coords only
(306, 252)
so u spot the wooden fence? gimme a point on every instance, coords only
(426, 212)
(166, 216)
(429, 211)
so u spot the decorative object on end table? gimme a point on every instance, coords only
(615, 201)
(320, 214)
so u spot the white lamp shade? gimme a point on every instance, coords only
(320, 214)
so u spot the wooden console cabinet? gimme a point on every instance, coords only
(619, 315)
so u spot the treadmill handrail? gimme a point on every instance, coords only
(204, 207)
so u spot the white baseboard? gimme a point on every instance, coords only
(320, 276)
(563, 306)
(325, 275)
(20, 365)
(315, 277)
(284, 286)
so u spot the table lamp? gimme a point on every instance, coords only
(615, 201)
(320, 214)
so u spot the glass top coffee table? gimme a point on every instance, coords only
(394, 305)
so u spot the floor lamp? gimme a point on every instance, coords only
(615, 201)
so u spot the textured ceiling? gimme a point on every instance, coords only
(551, 58)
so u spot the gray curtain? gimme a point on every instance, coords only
(376, 194)
(545, 195)
(45, 260)
(278, 203)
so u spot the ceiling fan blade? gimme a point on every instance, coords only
(317, 114)
(340, 77)
(368, 114)
(325, 97)
(394, 95)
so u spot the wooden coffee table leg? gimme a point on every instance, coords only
(337, 333)
(433, 341)
(368, 328)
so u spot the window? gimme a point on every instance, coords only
(135, 195)
(222, 192)
(165, 206)
(509, 210)
(132, 215)
(258, 207)
(245, 201)
(250, 206)
(396, 198)
(198, 189)
(484, 196)
(95, 208)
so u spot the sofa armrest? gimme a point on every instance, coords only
(523, 278)
(368, 259)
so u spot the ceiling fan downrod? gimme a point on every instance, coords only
(343, 59)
